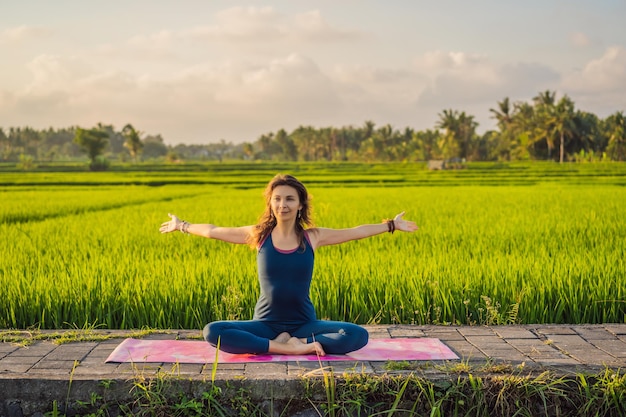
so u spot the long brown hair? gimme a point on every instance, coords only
(267, 221)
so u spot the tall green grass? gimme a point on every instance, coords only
(544, 253)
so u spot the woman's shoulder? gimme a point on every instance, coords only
(312, 236)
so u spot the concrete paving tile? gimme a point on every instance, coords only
(10, 362)
(302, 368)
(38, 349)
(91, 363)
(476, 331)
(530, 345)
(138, 368)
(95, 371)
(555, 330)
(466, 350)
(547, 352)
(488, 342)
(505, 354)
(616, 329)
(590, 356)
(71, 351)
(565, 341)
(514, 332)
(6, 348)
(97, 357)
(60, 365)
(405, 332)
(113, 341)
(595, 333)
(379, 335)
(615, 348)
(445, 335)
(341, 367)
(105, 347)
(190, 334)
(512, 358)
(17, 368)
(265, 370)
(557, 361)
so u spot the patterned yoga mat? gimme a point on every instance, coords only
(191, 351)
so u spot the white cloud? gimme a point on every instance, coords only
(457, 79)
(311, 26)
(238, 100)
(579, 39)
(242, 24)
(262, 25)
(600, 84)
(23, 33)
(53, 72)
(234, 101)
(605, 74)
(159, 43)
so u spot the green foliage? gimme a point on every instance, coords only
(93, 142)
(473, 394)
(526, 130)
(26, 163)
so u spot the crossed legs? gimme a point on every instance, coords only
(319, 337)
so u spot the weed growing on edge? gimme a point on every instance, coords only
(476, 393)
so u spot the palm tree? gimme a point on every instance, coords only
(523, 125)
(5, 145)
(133, 142)
(248, 150)
(460, 131)
(545, 98)
(504, 120)
(543, 123)
(587, 135)
(615, 128)
(561, 122)
(448, 142)
(303, 139)
(467, 134)
(290, 153)
(426, 144)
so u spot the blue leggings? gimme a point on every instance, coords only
(253, 336)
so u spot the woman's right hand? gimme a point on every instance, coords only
(172, 225)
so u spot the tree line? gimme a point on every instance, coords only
(545, 128)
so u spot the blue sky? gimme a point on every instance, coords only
(201, 71)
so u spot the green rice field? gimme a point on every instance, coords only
(497, 244)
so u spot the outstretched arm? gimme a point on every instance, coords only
(323, 236)
(227, 234)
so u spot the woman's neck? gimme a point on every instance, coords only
(285, 229)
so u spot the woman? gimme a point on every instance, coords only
(284, 319)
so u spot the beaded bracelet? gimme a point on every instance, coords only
(391, 225)
(183, 227)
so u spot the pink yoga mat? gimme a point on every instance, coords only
(190, 351)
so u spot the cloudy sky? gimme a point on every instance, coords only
(197, 71)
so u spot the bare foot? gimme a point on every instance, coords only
(282, 338)
(295, 346)
(314, 347)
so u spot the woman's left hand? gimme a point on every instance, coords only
(172, 225)
(404, 225)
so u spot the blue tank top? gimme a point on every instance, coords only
(285, 281)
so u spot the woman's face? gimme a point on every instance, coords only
(285, 202)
